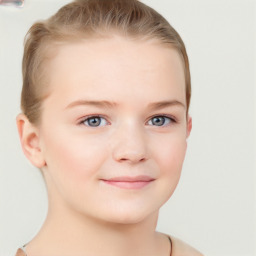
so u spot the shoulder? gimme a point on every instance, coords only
(20, 252)
(180, 248)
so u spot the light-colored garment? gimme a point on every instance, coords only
(22, 251)
(178, 248)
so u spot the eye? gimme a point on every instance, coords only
(161, 121)
(94, 121)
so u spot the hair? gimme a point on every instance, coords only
(86, 19)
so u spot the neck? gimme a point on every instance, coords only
(67, 233)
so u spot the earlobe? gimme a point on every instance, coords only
(189, 126)
(29, 138)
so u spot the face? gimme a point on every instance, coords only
(114, 128)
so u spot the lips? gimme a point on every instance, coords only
(128, 182)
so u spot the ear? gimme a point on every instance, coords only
(29, 138)
(189, 125)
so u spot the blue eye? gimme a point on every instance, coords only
(160, 120)
(94, 121)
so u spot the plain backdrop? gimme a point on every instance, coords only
(213, 207)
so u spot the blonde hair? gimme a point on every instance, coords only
(85, 19)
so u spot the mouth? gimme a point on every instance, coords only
(127, 182)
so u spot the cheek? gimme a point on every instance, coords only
(173, 157)
(170, 152)
(73, 160)
(170, 156)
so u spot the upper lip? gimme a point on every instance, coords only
(131, 179)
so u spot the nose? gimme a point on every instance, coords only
(129, 145)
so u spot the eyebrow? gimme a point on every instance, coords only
(109, 104)
(99, 104)
(165, 104)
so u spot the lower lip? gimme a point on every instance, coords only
(128, 184)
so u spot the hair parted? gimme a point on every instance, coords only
(86, 19)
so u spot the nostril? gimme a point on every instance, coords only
(129, 148)
(135, 159)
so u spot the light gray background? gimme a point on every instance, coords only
(214, 206)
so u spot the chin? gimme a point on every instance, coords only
(131, 219)
(126, 217)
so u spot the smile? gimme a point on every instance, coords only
(127, 182)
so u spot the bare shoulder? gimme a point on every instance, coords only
(180, 248)
(20, 253)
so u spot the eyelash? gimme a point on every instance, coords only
(172, 120)
(87, 118)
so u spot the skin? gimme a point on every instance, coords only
(78, 159)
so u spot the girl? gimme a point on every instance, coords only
(105, 100)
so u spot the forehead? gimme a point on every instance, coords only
(114, 64)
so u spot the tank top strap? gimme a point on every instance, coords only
(170, 245)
